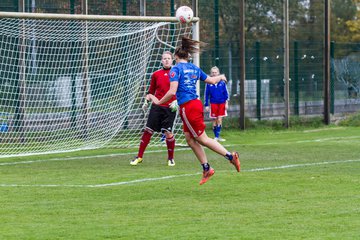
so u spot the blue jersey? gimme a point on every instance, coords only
(216, 93)
(186, 74)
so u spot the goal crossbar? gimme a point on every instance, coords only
(82, 17)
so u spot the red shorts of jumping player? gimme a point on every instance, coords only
(217, 110)
(192, 116)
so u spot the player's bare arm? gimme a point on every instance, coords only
(154, 99)
(216, 79)
(147, 97)
(172, 91)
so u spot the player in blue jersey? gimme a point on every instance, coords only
(218, 97)
(183, 78)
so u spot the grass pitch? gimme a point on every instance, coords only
(294, 184)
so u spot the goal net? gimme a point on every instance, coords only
(69, 84)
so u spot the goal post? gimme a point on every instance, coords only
(73, 82)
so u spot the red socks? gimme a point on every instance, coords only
(145, 139)
(170, 143)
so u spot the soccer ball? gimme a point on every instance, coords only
(184, 14)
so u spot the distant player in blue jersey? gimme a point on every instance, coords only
(183, 78)
(218, 96)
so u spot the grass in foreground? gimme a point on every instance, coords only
(300, 184)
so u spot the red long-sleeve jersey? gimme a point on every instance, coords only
(160, 84)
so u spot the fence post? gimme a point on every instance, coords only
(172, 8)
(332, 80)
(258, 80)
(242, 65)
(124, 7)
(72, 6)
(286, 64)
(18, 5)
(327, 12)
(216, 31)
(296, 77)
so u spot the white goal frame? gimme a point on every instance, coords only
(86, 18)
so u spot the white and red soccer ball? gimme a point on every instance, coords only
(184, 14)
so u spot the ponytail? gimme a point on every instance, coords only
(188, 46)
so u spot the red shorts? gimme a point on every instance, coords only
(192, 116)
(217, 110)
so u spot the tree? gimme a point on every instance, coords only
(345, 21)
(354, 25)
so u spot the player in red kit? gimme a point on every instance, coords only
(161, 117)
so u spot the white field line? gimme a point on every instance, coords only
(342, 139)
(176, 176)
(181, 149)
(323, 129)
(85, 157)
(329, 139)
